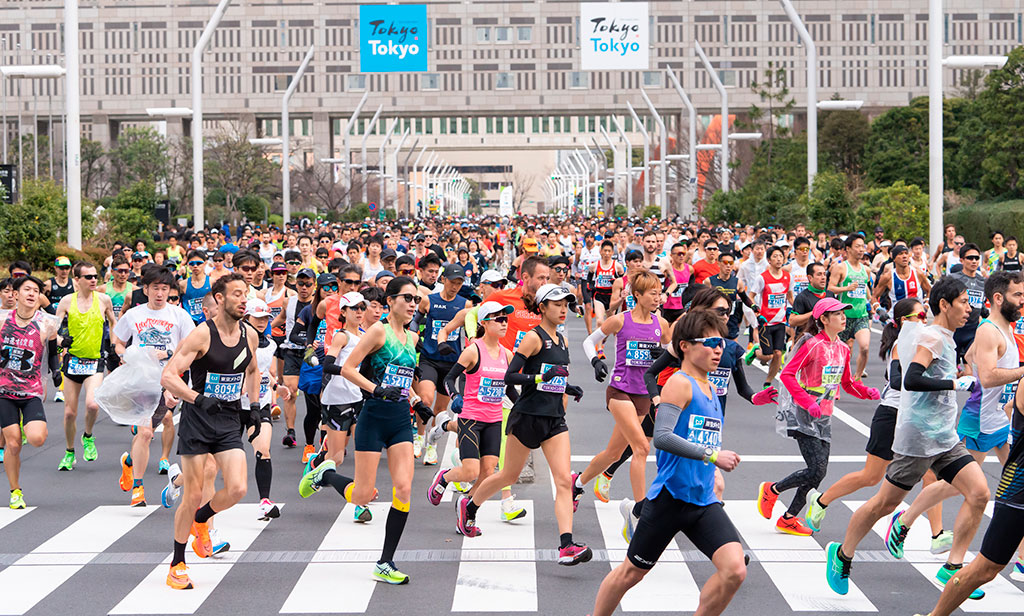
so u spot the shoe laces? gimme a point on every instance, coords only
(901, 532)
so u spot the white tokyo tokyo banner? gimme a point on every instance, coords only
(614, 35)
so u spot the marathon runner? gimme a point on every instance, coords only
(850, 280)
(291, 352)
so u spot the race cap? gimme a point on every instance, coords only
(530, 244)
(352, 298)
(491, 276)
(278, 266)
(326, 278)
(454, 271)
(487, 309)
(388, 253)
(306, 273)
(62, 262)
(256, 307)
(553, 293)
(384, 274)
(828, 304)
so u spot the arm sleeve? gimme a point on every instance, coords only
(915, 380)
(740, 378)
(298, 334)
(451, 380)
(895, 375)
(590, 344)
(667, 440)
(651, 375)
(513, 376)
(788, 375)
(331, 365)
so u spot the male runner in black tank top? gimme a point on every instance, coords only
(220, 356)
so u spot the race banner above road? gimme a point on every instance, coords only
(614, 36)
(393, 38)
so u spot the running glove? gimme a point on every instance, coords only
(457, 403)
(554, 372)
(600, 369)
(965, 383)
(391, 393)
(873, 394)
(423, 411)
(814, 409)
(207, 404)
(766, 396)
(575, 391)
(250, 418)
(445, 349)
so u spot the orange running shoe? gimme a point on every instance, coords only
(307, 452)
(202, 545)
(792, 526)
(766, 499)
(177, 577)
(126, 473)
(138, 497)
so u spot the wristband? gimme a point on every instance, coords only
(714, 457)
(538, 378)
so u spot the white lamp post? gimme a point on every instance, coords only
(629, 165)
(812, 90)
(724, 171)
(286, 179)
(72, 126)
(383, 186)
(401, 142)
(691, 179)
(662, 160)
(362, 148)
(348, 157)
(198, 194)
(647, 154)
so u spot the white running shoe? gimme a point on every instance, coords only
(435, 435)
(430, 455)
(171, 493)
(628, 519)
(511, 510)
(268, 510)
(417, 445)
(943, 543)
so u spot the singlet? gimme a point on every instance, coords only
(117, 297)
(22, 350)
(264, 357)
(86, 329)
(674, 300)
(393, 364)
(773, 297)
(890, 396)
(983, 411)
(857, 298)
(485, 386)
(57, 293)
(544, 399)
(689, 480)
(975, 295)
(634, 353)
(520, 321)
(220, 371)
(291, 310)
(193, 299)
(798, 277)
(1018, 336)
(1010, 491)
(722, 375)
(1010, 264)
(993, 258)
(902, 289)
(629, 300)
(338, 389)
(276, 305)
(439, 313)
(603, 279)
(655, 268)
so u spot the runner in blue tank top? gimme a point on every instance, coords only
(688, 438)
(192, 295)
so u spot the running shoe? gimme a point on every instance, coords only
(310, 482)
(792, 526)
(1017, 574)
(748, 357)
(289, 440)
(17, 499)
(576, 491)
(573, 554)
(766, 499)
(219, 545)
(461, 486)
(58, 396)
(837, 570)
(628, 519)
(89, 453)
(602, 485)
(942, 543)
(815, 512)
(436, 490)
(511, 510)
(435, 435)
(275, 412)
(362, 514)
(177, 577)
(268, 510)
(171, 493)
(308, 452)
(430, 455)
(1, 455)
(463, 523)
(163, 466)
(202, 545)
(67, 463)
(138, 496)
(896, 535)
(417, 446)
(388, 573)
(126, 474)
(946, 573)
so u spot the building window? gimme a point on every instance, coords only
(504, 81)
(652, 79)
(428, 81)
(281, 82)
(502, 34)
(500, 128)
(483, 35)
(521, 125)
(579, 79)
(536, 125)
(355, 83)
(728, 77)
(419, 126)
(524, 34)
(476, 126)
(489, 126)
(465, 126)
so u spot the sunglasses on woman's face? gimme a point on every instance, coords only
(920, 316)
(710, 342)
(502, 319)
(330, 288)
(248, 268)
(173, 298)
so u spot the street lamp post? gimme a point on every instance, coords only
(383, 185)
(724, 171)
(691, 178)
(401, 142)
(198, 194)
(362, 148)
(616, 160)
(404, 175)
(629, 165)
(812, 90)
(286, 179)
(348, 156)
(663, 158)
(72, 126)
(647, 154)
(412, 180)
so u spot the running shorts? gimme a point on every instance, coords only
(641, 402)
(292, 361)
(200, 432)
(532, 430)
(852, 327)
(340, 417)
(1004, 534)
(707, 527)
(434, 371)
(20, 410)
(478, 438)
(883, 430)
(772, 338)
(905, 472)
(382, 424)
(80, 369)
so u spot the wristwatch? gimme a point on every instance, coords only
(709, 455)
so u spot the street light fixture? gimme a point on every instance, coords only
(840, 105)
(286, 171)
(198, 194)
(724, 171)
(692, 138)
(266, 141)
(745, 136)
(169, 112)
(348, 157)
(990, 62)
(29, 71)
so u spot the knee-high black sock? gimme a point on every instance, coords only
(204, 514)
(392, 534)
(179, 553)
(264, 474)
(626, 455)
(312, 419)
(335, 480)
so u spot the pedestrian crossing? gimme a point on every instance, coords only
(504, 570)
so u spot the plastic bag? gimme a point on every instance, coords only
(131, 393)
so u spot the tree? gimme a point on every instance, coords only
(94, 167)
(901, 209)
(776, 103)
(130, 214)
(897, 148)
(29, 227)
(842, 138)
(1001, 109)
(521, 183)
(28, 151)
(315, 186)
(238, 167)
(140, 155)
(830, 205)
(476, 194)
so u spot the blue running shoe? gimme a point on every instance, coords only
(837, 569)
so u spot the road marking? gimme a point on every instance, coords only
(350, 580)
(239, 525)
(764, 458)
(492, 585)
(174, 420)
(47, 567)
(7, 516)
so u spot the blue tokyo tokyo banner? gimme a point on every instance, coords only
(392, 38)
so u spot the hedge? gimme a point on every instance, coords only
(976, 222)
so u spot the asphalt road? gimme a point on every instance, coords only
(80, 549)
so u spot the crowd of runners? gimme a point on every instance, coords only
(393, 333)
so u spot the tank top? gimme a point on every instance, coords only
(857, 298)
(993, 258)
(485, 386)
(86, 329)
(57, 293)
(983, 411)
(193, 303)
(688, 480)
(117, 297)
(773, 297)
(439, 313)
(798, 277)
(220, 371)
(682, 278)
(338, 389)
(890, 396)
(290, 312)
(544, 399)
(393, 364)
(1010, 264)
(1010, 491)
(627, 291)
(276, 305)
(902, 289)
(634, 349)
(21, 357)
(604, 278)
(264, 357)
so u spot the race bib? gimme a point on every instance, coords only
(776, 301)
(519, 338)
(831, 376)
(226, 387)
(490, 391)
(264, 386)
(638, 353)
(321, 332)
(436, 328)
(398, 376)
(705, 431)
(274, 311)
(194, 305)
(861, 292)
(975, 298)
(799, 288)
(555, 385)
(82, 367)
(630, 302)
(719, 380)
(603, 281)
(680, 287)
(1018, 327)
(1009, 391)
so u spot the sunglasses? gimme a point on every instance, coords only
(63, 267)
(679, 253)
(304, 284)
(711, 342)
(218, 260)
(972, 258)
(958, 243)
(494, 285)
(804, 249)
(173, 298)
(294, 262)
(502, 319)
(710, 248)
(90, 276)
(921, 316)
(351, 280)
(122, 270)
(725, 261)
(330, 288)
(562, 269)
(280, 273)
(195, 263)
(406, 272)
(408, 297)
(358, 307)
(248, 268)
(722, 312)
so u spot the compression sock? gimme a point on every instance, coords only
(471, 509)
(397, 516)
(338, 482)
(310, 422)
(565, 540)
(86, 435)
(179, 553)
(204, 514)
(264, 474)
(136, 483)
(626, 455)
